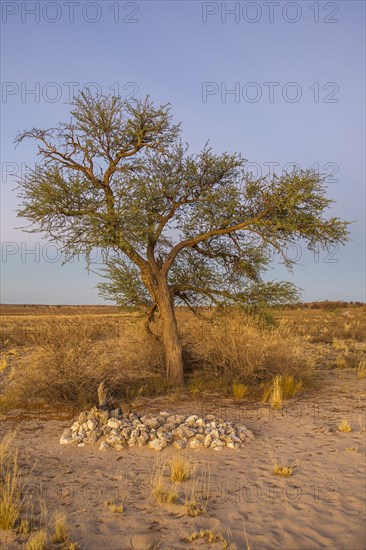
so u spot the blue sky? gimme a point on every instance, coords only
(309, 55)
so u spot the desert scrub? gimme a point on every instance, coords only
(71, 361)
(239, 347)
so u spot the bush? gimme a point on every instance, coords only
(69, 365)
(240, 349)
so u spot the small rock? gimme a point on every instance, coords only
(104, 446)
(83, 417)
(217, 443)
(191, 419)
(195, 443)
(113, 423)
(91, 425)
(208, 440)
(65, 440)
(157, 444)
(180, 443)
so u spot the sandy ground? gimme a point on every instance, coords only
(322, 505)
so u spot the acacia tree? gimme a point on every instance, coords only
(175, 227)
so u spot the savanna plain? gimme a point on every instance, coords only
(295, 377)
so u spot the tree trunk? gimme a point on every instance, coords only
(171, 342)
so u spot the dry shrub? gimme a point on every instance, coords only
(69, 364)
(241, 349)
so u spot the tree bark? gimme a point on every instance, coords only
(170, 336)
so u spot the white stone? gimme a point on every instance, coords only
(157, 444)
(113, 423)
(195, 443)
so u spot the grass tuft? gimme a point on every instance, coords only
(180, 469)
(60, 535)
(344, 426)
(37, 541)
(283, 471)
(239, 391)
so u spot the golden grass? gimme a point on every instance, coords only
(60, 535)
(180, 469)
(283, 471)
(10, 498)
(239, 391)
(37, 541)
(344, 426)
(162, 494)
(10, 485)
(281, 388)
(115, 507)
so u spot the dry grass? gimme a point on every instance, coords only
(344, 426)
(60, 535)
(239, 350)
(239, 391)
(180, 469)
(10, 496)
(361, 369)
(281, 388)
(198, 494)
(115, 507)
(72, 358)
(58, 358)
(10, 483)
(5, 448)
(161, 491)
(163, 494)
(283, 471)
(37, 541)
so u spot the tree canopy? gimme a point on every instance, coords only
(119, 177)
